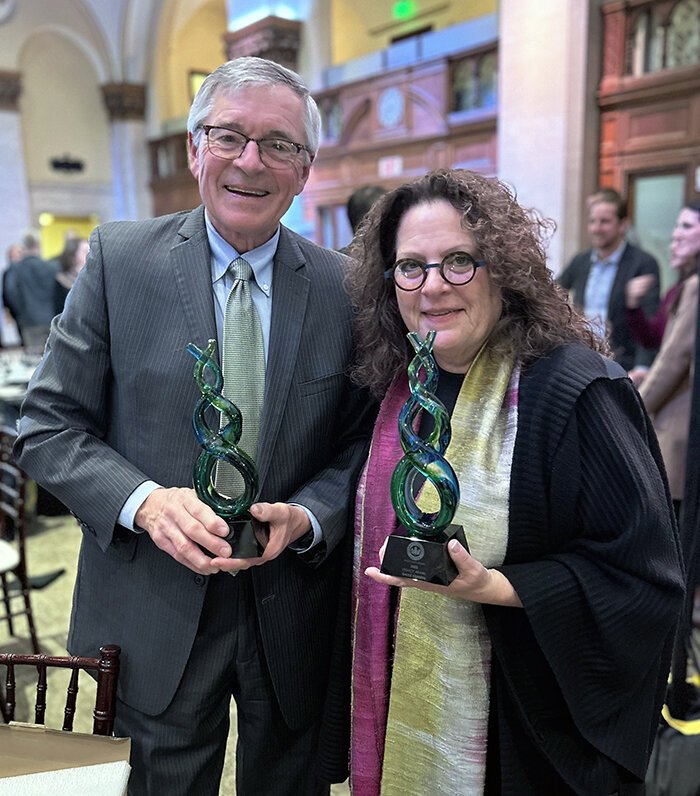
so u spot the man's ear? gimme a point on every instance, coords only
(192, 156)
(303, 176)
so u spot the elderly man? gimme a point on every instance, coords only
(106, 426)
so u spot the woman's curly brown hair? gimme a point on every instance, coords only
(536, 316)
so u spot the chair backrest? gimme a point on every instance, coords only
(106, 666)
(12, 537)
(12, 489)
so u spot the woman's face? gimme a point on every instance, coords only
(685, 241)
(462, 315)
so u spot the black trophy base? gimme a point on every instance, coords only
(423, 559)
(247, 537)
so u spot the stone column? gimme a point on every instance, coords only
(126, 105)
(277, 40)
(547, 114)
(17, 215)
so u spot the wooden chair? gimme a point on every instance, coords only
(12, 551)
(106, 666)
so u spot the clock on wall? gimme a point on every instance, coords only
(390, 107)
(7, 8)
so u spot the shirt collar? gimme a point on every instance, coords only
(260, 259)
(611, 259)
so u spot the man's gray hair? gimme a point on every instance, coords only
(252, 71)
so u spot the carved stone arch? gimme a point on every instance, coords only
(356, 116)
(98, 59)
(430, 104)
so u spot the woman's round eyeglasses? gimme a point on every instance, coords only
(275, 153)
(457, 268)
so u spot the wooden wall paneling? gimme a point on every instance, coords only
(658, 126)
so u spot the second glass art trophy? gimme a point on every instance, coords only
(246, 534)
(418, 550)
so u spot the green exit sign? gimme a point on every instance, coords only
(404, 9)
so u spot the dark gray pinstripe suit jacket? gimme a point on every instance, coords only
(110, 406)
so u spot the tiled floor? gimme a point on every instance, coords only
(53, 543)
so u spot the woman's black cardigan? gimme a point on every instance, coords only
(578, 676)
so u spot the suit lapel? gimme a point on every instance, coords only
(192, 273)
(290, 293)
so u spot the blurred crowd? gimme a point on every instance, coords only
(34, 289)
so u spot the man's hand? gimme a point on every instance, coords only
(178, 522)
(286, 525)
(637, 288)
(638, 374)
(473, 582)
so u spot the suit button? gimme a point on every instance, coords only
(199, 580)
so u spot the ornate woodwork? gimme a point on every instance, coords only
(274, 38)
(649, 121)
(125, 101)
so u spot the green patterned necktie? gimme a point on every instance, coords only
(243, 368)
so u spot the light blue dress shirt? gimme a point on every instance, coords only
(261, 262)
(598, 288)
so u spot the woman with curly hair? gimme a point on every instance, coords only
(541, 668)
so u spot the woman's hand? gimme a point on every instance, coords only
(473, 582)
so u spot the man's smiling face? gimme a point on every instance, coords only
(245, 199)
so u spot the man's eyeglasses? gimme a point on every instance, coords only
(275, 153)
(457, 268)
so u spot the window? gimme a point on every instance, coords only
(331, 119)
(475, 82)
(665, 38)
(683, 43)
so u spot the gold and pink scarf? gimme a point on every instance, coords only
(421, 661)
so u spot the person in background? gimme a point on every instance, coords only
(541, 669)
(596, 278)
(360, 202)
(107, 427)
(70, 263)
(29, 291)
(13, 255)
(666, 387)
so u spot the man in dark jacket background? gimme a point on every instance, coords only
(596, 278)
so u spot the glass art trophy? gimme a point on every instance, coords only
(246, 534)
(418, 550)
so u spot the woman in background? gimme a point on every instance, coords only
(666, 387)
(70, 264)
